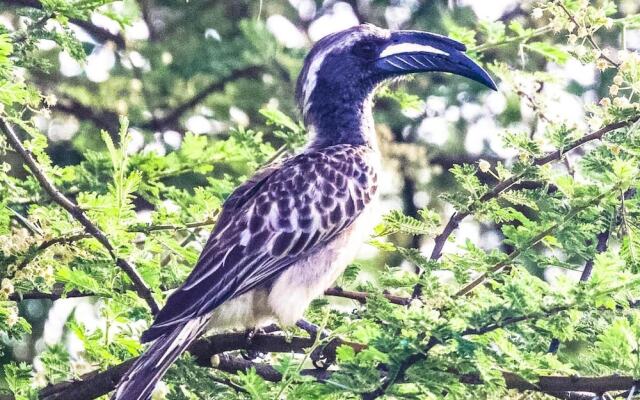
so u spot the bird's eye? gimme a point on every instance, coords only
(366, 50)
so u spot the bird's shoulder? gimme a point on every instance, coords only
(305, 177)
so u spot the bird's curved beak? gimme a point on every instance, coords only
(416, 51)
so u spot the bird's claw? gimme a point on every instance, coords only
(248, 353)
(325, 355)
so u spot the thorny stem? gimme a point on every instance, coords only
(589, 37)
(417, 357)
(532, 242)
(78, 214)
(458, 216)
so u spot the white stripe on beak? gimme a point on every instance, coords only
(410, 48)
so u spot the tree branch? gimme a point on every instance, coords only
(362, 296)
(78, 214)
(48, 243)
(458, 216)
(602, 240)
(207, 354)
(533, 241)
(95, 384)
(98, 33)
(58, 293)
(171, 118)
(108, 120)
(103, 119)
(589, 37)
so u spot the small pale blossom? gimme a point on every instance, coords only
(484, 165)
(595, 122)
(605, 102)
(160, 392)
(6, 286)
(12, 318)
(609, 23)
(167, 58)
(580, 51)
(602, 64)
(618, 80)
(623, 55)
(613, 90)
(573, 38)
(136, 85)
(40, 379)
(537, 13)
(582, 31)
(557, 24)
(51, 100)
(622, 102)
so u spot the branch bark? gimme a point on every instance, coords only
(103, 119)
(78, 214)
(58, 293)
(361, 297)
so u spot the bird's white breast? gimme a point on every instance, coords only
(307, 279)
(292, 291)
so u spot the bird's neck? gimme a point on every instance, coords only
(339, 119)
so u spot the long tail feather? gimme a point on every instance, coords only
(140, 380)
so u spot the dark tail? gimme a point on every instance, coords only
(140, 380)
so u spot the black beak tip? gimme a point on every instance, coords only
(475, 72)
(490, 84)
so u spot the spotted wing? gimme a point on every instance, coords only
(282, 215)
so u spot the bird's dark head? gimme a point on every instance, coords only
(343, 69)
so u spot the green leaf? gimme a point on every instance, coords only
(550, 51)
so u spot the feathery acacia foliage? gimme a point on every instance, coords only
(113, 210)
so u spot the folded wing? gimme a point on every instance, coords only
(281, 215)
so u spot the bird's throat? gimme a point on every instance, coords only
(340, 120)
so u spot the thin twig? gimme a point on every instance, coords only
(458, 216)
(602, 240)
(142, 228)
(363, 296)
(48, 243)
(589, 37)
(78, 214)
(533, 241)
(514, 39)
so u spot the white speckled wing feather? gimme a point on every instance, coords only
(283, 215)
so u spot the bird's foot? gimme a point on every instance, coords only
(249, 334)
(324, 355)
(248, 353)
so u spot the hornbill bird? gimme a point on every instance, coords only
(286, 234)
